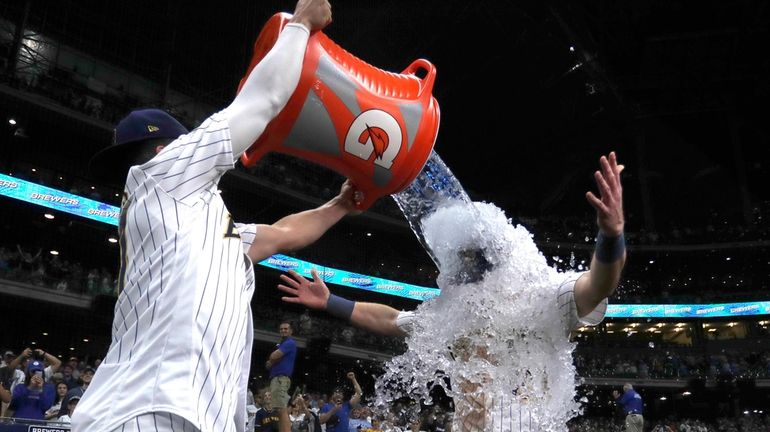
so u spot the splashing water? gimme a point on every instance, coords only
(496, 329)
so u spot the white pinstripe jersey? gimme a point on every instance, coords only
(182, 332)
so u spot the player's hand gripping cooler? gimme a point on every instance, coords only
(375, 127)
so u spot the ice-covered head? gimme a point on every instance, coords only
(471, 239)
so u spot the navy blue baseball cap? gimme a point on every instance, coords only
(35, 365)
(111, 163)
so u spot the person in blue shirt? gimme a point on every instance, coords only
(32, 400)
(632, 405)
(281, 366)
(358, 421)
(336, 414)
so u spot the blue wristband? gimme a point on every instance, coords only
(340, 307)
(609, 249)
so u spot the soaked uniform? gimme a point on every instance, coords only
(516, 410)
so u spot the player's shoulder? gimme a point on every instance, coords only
(566, 280)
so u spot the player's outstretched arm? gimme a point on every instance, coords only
(272, 82)
(302, 229)
(610, 253)
(374, 317)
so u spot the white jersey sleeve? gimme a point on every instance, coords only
(193, 163)
(248, 233)
(405, 321)
(268, 87)
(568, 307)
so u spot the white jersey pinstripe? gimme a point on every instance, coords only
(510, 412)
(182, 334)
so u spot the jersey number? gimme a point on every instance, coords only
(231, 232)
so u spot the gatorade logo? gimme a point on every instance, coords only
(374, 132)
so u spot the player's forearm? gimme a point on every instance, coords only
(596, 285)
(604, 278)
(304, 228)
(376, 318)
(600, 281)
(268, 87)
(607, 264)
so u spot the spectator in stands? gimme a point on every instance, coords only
(29, 261)
(662, 427)
(305, 323)
(20, 363)
(358, 421)
(92, 282)
(7, 358)
(106, 285)
(85, 380)
(347, 335)
(632, 405)
(336, 414)
(281, 366)
(68, 377)
(71, 404)
(6, 379)
(61, 393)
(32, 399)
(269, 422)
(297, 416)
(75, 365)
(264, 419)
(310, 415)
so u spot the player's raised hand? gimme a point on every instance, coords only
(609, 204)
(313, 14)
(312, 294)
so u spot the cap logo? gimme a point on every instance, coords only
(152, 128)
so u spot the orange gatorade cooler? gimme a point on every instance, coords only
(375, 127)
